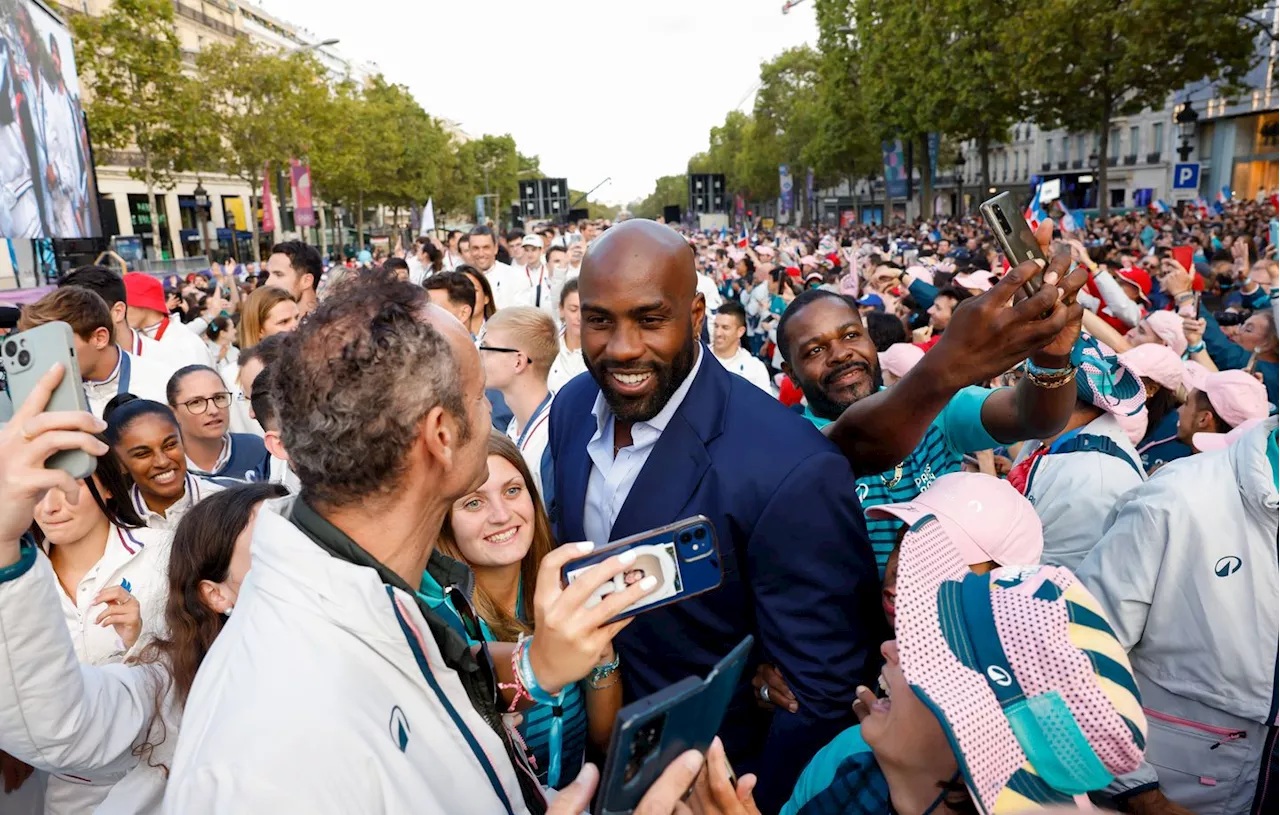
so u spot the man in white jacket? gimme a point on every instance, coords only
(1186, 572)
(334, 688)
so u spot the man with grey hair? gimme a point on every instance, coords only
(335, 687)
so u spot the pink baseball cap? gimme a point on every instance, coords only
(974, 280)
(1237, 396)
(809, 260)
(1194, 375)
(1168, 326)
(899, 358)
(984, 517)
(922, 273)
(1208, 442)
(764, 249)
(1156, 362)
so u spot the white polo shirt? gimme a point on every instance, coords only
(179, 346)
(749, 367)
(532, 440)
(510, 285)
(567, 365)
(137, 375)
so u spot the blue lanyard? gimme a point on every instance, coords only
(533, 420)
(126, 369)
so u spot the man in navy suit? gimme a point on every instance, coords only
(659, 431)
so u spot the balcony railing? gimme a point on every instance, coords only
(1044, 168)
(1153, 158)
(1062, 165)
(1077, 164)
(197, 16)
(1113, 161)
(1129, 161)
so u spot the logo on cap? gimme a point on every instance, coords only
(999, 676)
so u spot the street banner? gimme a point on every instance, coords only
(428, 218)
(300, 177)
(741, 207)
(809, 202)
(268, 208)
(935, 142)
(785, 183)
(480, 216)
(895, 169)
(1050, 190)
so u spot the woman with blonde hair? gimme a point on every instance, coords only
(498, 535)
(267, 311)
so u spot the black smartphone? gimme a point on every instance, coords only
(650, 733)
(1014, 235)
(683, 556)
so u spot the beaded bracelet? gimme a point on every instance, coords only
(600, 672)
(1049, 378)
(521, 691)
(530, 680)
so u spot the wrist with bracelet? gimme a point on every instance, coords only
(525, 682)
(602, 672)
(1049, 378)
(1197, 348)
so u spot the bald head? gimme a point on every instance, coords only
(642, 250)
(641, 313)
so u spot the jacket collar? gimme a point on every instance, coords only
(335, 542)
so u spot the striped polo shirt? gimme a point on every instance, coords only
(957, 430)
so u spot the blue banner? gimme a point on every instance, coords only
(809, 202)
(895, 169)
(935, 141)
(786, 185)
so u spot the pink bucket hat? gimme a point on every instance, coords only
(1159, 363)
(1168, 327)
(1023, 672)
(1237, 396)
(899, 358)
(984, 517)
(1208, 442)
(973, 280)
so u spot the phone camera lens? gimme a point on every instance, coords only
(24, 358)
(1004, 222)
(685, 537)
(10, 348)
(699, 533)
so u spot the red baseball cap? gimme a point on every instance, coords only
(144, 291)
(1137, 277)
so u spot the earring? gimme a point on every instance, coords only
(227, 612)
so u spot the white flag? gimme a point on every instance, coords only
(1050, 190)
(428, 219)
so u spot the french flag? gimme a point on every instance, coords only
(743, 239)
(1068, 222)
(1159, 207)
(1202, 206)
(1224, 195)
(1035, 213)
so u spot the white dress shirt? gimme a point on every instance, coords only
(613, 477)
(532, 441)
(749, 367)
(132, 374)
(510, 285)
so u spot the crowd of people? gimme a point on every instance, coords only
(1005, 537)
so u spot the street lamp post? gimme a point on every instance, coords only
(1187, 119)
(311, 46)
(959, 186)
(202, 202)
(235, 239)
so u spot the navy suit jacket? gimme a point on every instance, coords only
(798, 569)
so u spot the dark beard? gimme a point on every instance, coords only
(670, 377)
(823, 406)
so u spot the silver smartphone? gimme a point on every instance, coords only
(27, 356)
(1014, 235)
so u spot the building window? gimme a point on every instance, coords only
(1096, 141)
(1048, 151)
(1114, 147)
(1157, 137)
(1135, 139)
(1066, 149)
(1080, 154)
(1026, 163)
(1015, 165)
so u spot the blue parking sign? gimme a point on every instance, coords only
(1186, 176)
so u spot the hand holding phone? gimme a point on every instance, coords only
(26, 443)
(28, 356)
(573, 624)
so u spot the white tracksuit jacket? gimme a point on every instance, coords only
(1187, 573)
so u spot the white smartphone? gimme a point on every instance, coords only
(27, 356)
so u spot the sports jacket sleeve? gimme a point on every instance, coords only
(1121, 572)
(1121, 306)
(816, 590)
(1224, 353)
(55, 713)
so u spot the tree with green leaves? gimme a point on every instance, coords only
(267, 106)
(1084, 62)
(139, 98)
(669, 190)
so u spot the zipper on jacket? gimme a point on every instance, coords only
(1226, 734)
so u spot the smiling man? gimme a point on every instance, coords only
(655, 434)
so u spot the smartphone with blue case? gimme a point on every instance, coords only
(684, 556)
(652, 732)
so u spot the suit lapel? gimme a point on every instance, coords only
(577, 469)
(667, 482)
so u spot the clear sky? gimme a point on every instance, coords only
(626, 89)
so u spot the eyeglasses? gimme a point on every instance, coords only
(201, 403)
(498, 350)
